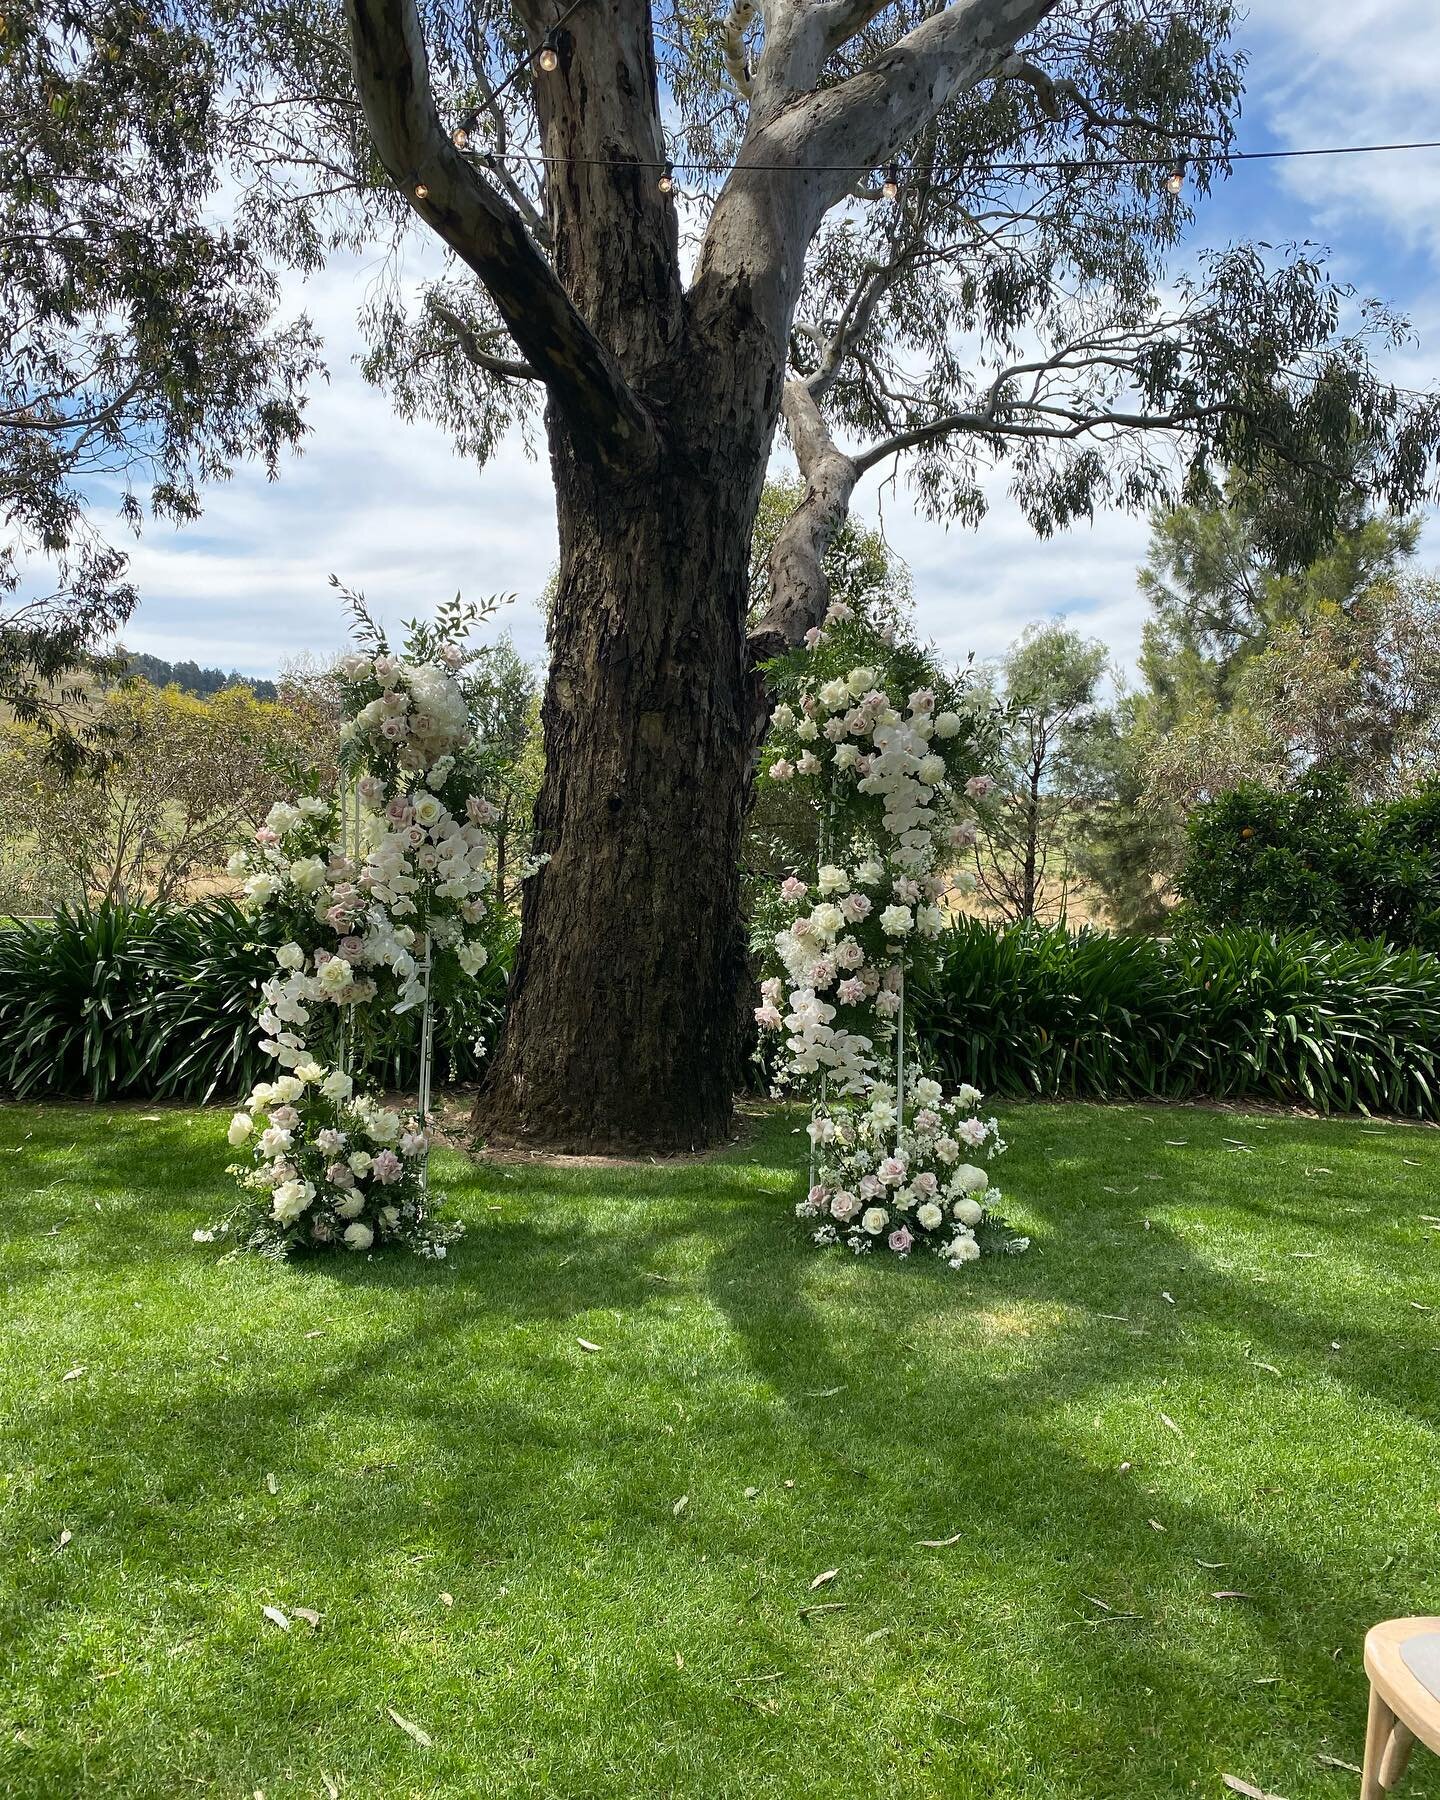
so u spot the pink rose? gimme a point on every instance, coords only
(340, 1175)
(793, 890)
(892, 1171)
(900, 1241)
(850, 991)
(978, 786)
(351, 947)
(399, 812)
(481, 812)
(394, 729)
(856, 907)
(768, 1017)
(387, 1167)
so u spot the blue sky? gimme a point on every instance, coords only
(390, 509)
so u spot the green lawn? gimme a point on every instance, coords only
(1252, 1328)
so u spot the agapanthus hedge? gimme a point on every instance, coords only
(119, 1001)
(1239, 1014)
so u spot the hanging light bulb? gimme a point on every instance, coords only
(549, 57)
(666, 183)
(460, 136)
(1175, 180)
(891, 189)
(421, 191)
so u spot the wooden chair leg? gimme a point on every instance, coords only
(1377, 1740)
(1397, 1754)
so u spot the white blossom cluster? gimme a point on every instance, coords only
(332, 1167)
(908, 1184)
(360, 905)
(844, 951)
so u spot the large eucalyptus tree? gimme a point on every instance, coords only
(926, 236)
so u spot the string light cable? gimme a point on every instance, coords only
(893, 176)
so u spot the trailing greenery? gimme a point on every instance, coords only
(148, 1002)
(1030, 1009)
(1310, 858)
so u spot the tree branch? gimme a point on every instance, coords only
(473, 349)
(606, 420)
(799, 590)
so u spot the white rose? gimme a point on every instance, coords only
(291, 1199)
(846, 756)
(308, 874)
(968, 1212)
(336, 975)
(240, 1128)
(385, 1127)
(860, 681)
(391, 1215)
(309, 1071)
(967, 1179)
(350, 1207)
(896, 921)
(832, 879)
(358, 1236)
(337, 1085)
(427, 811)
(261, 889)
(947, 724)
(360, 1161)
(290, 956)
(288, 1090)
(963, 1250)
(874, 1220)
(929, 1215)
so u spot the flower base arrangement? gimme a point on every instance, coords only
(330, 1169)
(921, 1187)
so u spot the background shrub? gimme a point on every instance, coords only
(118, 1001)
(1029, 1009)
(1310, 858)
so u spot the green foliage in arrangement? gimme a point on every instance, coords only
(1029, 1009)
(1310, 858)
(146, 1002)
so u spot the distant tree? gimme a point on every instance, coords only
(1049, 770)
(187, 779)
(137, 337)
(190, 678)
(1249, 673)
(508, 717)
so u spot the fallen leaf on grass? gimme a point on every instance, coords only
(940, 1543)
(1415, 1303)
(1336, 1762)
(874, 1637)
(1269, 1368)
(825, 1576)
(1318, 1170)
(1165, 1296)
(750, 1493)
(309, 1615)
(679, 1660)
(272, 1484)
(585, 1344)
(74, 1374)
(64, 1539)
(314, 1334)
(1237, 1786)
(1170, 1425)
(1177, 1143)
(276, 1617)
(1104, 1605)
(774, 1675)
(1229, 1594)
(447, 1599)
(1154, 1524)
(822, 1393)
(332, 1792)
(410, 1728)
(680, 1505)
(1205, 1565)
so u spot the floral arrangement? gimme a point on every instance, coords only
(923, 1185)
(374, 895)
(333, 1168)
(895, 786)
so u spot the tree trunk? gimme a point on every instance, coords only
(621, 1029)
